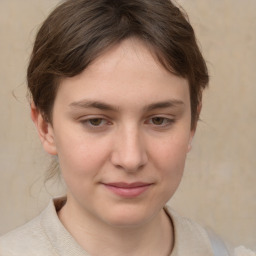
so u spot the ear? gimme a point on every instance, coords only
(192, 133)
(193, 130)
(44, 129)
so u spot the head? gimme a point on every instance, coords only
(116, 89)
(77, 32)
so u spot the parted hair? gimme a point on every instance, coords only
(78, 31)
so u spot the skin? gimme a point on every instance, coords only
(123, 119)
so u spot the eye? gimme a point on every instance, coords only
(96, 121)
(159, 121)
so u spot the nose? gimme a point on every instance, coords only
(129, 152)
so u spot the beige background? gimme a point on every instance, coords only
(218, 189)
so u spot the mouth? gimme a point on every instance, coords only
(128, 190)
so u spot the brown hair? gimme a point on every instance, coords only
(78, 31)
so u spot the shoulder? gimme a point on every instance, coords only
(183, 224)
(26, 240)
(192, 239)
(242, 251)
(43, 236)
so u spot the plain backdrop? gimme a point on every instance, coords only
(218, 189)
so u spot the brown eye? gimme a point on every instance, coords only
(158, 120)
(95, 121)
(96, 124)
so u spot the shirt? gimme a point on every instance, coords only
(45, 235)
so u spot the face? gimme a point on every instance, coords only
(121, 130)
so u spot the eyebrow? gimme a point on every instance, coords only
(163, 104)
(107, 107)
(93, 104)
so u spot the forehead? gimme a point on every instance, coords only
(126, 54)
(128, 72)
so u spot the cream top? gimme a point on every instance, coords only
(45, 235)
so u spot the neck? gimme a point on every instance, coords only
(152, 238)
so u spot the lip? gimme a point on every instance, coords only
(128, 190)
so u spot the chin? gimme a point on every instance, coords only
(128, 216)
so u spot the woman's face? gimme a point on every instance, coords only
(121, 130)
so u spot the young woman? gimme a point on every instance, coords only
(116, 90)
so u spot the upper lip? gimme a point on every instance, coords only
(127, 185)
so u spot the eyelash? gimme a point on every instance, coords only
(166, 122)
(88, 122)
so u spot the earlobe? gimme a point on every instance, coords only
(193, 131)
(189, 147)
(190, 141)
(44, 129)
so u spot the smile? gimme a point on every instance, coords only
(128, 190)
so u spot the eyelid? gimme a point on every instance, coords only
(92, 116)
(168, 121)
(86, 121)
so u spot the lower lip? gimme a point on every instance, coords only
(128, 192)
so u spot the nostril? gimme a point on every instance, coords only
(129, 152)
(129, 163)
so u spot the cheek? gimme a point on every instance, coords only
(171, 167)
(81, 155)
(171, 153)
(81, 165)
(169, 160)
